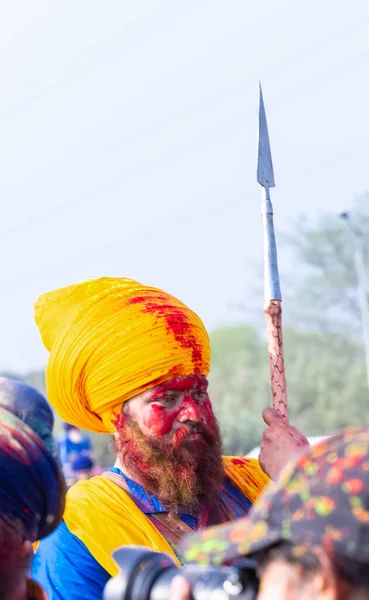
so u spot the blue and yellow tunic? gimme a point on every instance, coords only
(76, 559)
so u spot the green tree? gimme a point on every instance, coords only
(238, 385)
(321, 288)
(326, 383)
(323, 347)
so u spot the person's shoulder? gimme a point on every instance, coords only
(64, 566)
(85, 500)
(242, 463)
(53, 553)
(59, 542)
(246, 474)
(86, 491)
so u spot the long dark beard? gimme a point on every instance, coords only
(180, 472)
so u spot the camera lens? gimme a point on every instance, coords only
(147, 575)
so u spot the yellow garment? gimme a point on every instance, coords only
(110, 339)
(104, 518)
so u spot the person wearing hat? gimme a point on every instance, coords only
(29, 405)
(32, 497)
(132, 360)
(308, 532)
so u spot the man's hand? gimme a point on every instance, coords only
(280, 442)
(180, 589)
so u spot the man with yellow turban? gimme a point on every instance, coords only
(132, 360)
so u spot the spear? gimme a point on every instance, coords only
(272, 290)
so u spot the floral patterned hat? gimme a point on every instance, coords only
(320, 499)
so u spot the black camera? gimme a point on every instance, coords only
(147, 575)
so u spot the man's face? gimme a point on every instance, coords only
(174, 410)
(15, 558)
(167, 439)
(74, 434)
(281, 580)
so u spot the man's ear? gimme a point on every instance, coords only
(119, 420)
(26, 548)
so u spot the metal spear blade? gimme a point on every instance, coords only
(272, 291)
(265, 174)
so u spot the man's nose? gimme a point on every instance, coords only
(190, 411)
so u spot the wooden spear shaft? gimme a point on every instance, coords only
(272, 290)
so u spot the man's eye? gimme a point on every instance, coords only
(201, 395)
(168, 400)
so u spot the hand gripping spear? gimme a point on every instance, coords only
(272, 290)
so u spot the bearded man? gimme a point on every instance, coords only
(132, 360)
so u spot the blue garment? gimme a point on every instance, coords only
(65, 567)
(69, 451)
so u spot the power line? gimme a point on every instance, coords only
(234, 123)
(229, 91)
(353, 62)
(167, 10)
(150, 164)
(86, 197)
(154, 18)
(97, 251)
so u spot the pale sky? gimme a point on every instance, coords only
(128, 143)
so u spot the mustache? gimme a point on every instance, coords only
(193, 428)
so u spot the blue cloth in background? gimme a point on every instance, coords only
(69, 451)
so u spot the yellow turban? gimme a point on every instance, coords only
(110, 339)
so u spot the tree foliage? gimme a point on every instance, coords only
(323, 347)
(326, 383)
(321, 288)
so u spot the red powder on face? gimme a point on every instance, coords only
(118, 420)
(181, 384)
(190, 410)
(177, 323)
(159, 421)
(208, 413)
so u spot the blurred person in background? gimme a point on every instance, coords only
(29, 405)
(32, 497)
(72, 444)
(82, 468)
(131, 360)
(69, 475)
(308, 532)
